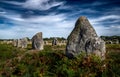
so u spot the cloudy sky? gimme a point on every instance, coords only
(56, 18)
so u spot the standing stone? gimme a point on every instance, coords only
(19, 43)
(24, 42)
(109, 42)
(54, 41)
(15, 42)
(9, 42)
(84, 38)
(45, 42)
(37, 41)
(116, 41)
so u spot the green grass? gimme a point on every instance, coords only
(8, 52)
(52, 62)
(113, 46)
(113, 60)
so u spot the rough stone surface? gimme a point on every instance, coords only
(37, 41)
(24, 42)
(15, 42)
(19, 43)
(116, 41)
(45, 42)
(54, 41)
(84, 38)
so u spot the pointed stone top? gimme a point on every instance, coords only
(39, 33)
(82, 18)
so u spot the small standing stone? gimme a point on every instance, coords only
(15, 42)
(24, 42)
(54, 41)
(45, 42)
(37, 41)
(19, 43)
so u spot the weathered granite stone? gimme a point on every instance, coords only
(19, 43)
(96, 46)
(45, 42)
(15, 42)
(109, 42)
(37, 41)
(84, 38)
(24, 42)
(54, 41)
(116, 41)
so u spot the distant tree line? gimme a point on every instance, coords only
(111, 38)
(58, 38)
(51, 38)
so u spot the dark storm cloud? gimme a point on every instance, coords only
(57, 15)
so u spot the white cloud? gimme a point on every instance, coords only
(52, 25)
(51, 18)
(115, 26)
(65, 7)
(101, 29)
(47, 18)
(103, 18)
(88, 10)
(13, 2)
(40, 4)
(14, 16)
(36, 4)
(107, 30)
(2, 12)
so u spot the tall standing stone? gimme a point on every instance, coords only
(37, 41)
(84, 38)
(24, 42)
(19, 43)
(54, 41)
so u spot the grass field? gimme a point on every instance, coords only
(52, 62)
